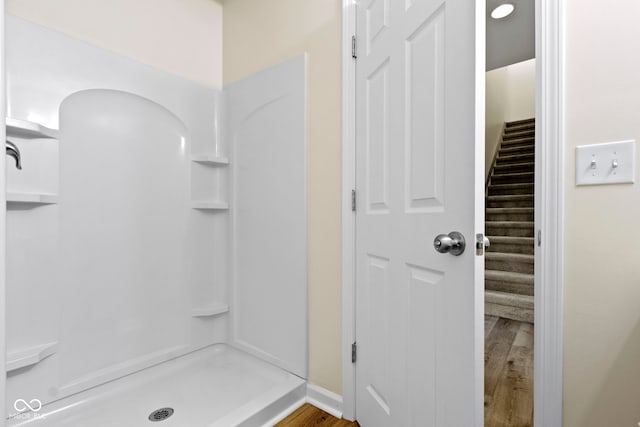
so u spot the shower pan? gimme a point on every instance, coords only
(156, 241)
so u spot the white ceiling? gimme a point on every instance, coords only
(510, 39)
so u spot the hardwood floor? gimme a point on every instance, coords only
(508, 374)
(508, 380)
(309, 415)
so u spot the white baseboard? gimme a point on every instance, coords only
(324, 399)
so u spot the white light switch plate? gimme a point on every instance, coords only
(608, 163)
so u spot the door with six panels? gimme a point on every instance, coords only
(419, 131)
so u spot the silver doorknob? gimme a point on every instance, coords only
(452, 243)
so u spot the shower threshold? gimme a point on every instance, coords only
(217, 386)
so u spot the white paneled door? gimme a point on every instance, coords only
(419, 131)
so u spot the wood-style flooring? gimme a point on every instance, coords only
(308, 416)
(508, 373)
(508, 380)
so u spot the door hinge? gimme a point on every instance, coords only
(354, 47)
(353, 200)
(539, 237)
(354, 352)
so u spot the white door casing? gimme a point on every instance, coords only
(419, 131)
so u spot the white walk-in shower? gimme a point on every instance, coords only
(156, 241)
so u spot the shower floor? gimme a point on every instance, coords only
(215, 387)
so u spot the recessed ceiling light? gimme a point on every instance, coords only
(502, 11)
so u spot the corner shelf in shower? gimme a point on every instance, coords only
(34, 198)
(210, 159)
(210, 205)
(210, 310)
(30, 356)
(29, 130)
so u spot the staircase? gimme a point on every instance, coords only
(509, 225)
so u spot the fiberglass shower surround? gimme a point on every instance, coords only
(162, 223)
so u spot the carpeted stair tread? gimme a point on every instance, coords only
(519, 128)
(509, 215)
(525, 134)
(516, 263)
(520, 122)
(509, 210)
(501, 256)
(510, 224)
(516, 158)
(509, 229)
(518, 177)
(503, 298)
(514, 166)
(510, 189)
(509, 276)
(510, 240)
(518, 149)
(511, 198)
(510, 306)
(528, 144)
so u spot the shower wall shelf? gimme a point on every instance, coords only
(210, 310)
(210, 159)
(35, 198)
(213, 206)
(30, 356)
(29, 130)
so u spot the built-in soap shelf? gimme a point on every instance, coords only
(210, 159)
(210, 310)
(34, 198)
(29, 130)
(30, 356)
(210, 205)
(206, 195)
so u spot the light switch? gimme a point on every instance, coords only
(607, 163)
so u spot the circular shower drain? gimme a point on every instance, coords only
(161, 414)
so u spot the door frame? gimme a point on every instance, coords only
(3, 222)
(549, 211)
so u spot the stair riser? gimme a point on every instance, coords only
(510, 287)
(521, 122)
(514, 266)
(497, 191)
(518, 143)
(510, 204)
(518, 150)
(511, 179)
(511, 248)
(509, 135)
(508, 312)
(518, 158)
(521, 128)
(509, 216)
(514, 168)
(510, 232)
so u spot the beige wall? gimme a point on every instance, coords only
(510, 95)
(258, 34)
(183, 37)
(602, 252)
